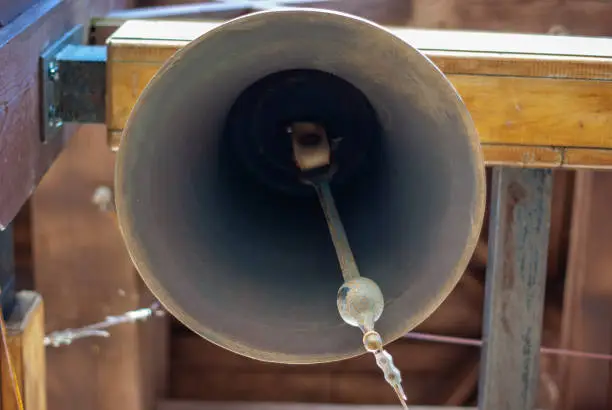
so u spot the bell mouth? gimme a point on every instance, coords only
(234, 250)
(259, 122)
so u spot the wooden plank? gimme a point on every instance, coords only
(153, 345)
(537, 101)
(466, 382)
(498, 44)
(560, 222)
(428, 368)
(201, 370)
(9, 9)
(537, 111)
(514, 293)
(581, 17)
(190, 352)
(585, 158)
(356, 388)
(84, 273)
(25, 332)
(532, 157)
(587, 300)
(202, 405)
(381, 11)
(22, 241)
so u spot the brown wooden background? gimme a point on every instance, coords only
(83, 273)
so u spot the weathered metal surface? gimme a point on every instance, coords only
(515, 283)
(82, 83)
(7, 271)
(73, 84)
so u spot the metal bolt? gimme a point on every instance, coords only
(53, 71)
(54, 120)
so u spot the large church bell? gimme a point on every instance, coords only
(222, 219)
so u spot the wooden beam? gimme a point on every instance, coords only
(24, 159)
(9, 9)
(537, 101)
(203, 371)
(191, 405)
(25, 333)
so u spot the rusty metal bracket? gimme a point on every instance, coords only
(73, 83)
(514, 289)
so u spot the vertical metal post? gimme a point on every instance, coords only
(514, 291)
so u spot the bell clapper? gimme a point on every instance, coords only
(360, 301)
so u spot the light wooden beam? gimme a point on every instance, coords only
(537, 101)
(25, 333)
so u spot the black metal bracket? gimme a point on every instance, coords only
(73, 83)
(51, 122)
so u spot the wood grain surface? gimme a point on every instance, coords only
(23, 158)
(25, 333)
(10, 9)
(586, 322)
(539, 101)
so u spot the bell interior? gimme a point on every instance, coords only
(213, 211)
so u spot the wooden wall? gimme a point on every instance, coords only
(84, 274)
(580, 17)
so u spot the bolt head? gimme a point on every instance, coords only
(53, 71)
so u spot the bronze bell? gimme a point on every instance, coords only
(228, 237)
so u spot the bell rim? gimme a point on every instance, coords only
(414, 319)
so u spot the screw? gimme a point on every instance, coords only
(53, 71)
(54, 120)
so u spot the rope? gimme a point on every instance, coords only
(9, 363)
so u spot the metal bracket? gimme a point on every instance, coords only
(50, 98)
